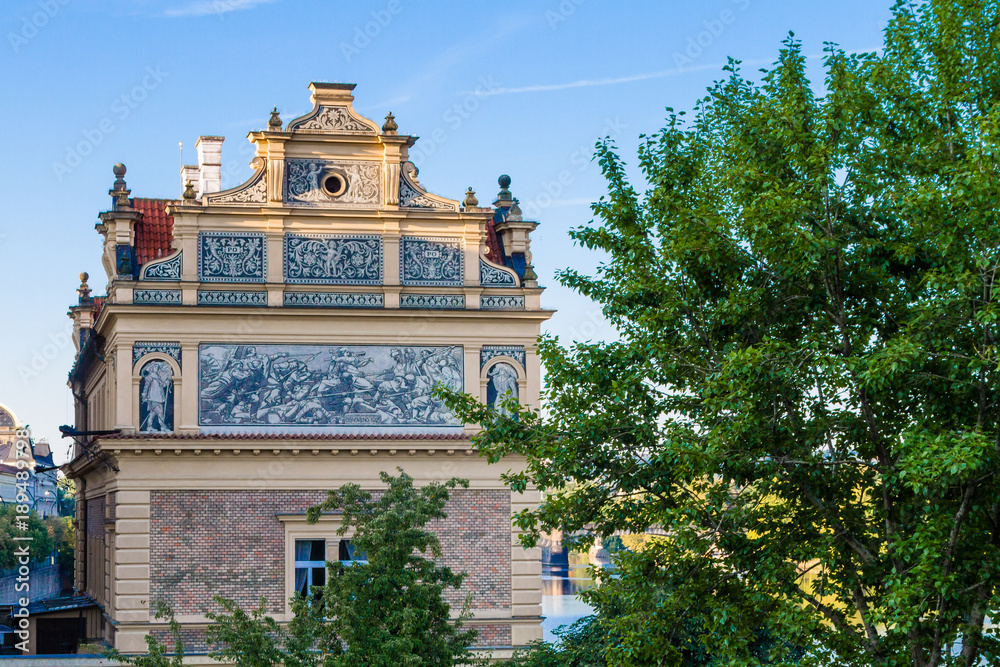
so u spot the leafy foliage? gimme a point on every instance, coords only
(254, 639)
(158, 654)
(804, 392)
(63, 538)
(389, 611)
(39, 546)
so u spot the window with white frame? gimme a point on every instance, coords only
(310, 565)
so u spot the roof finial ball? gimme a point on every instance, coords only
(390, 126)
(274, 124)
(84, 289)
(119, 171)
(120, 192)
(504, 199)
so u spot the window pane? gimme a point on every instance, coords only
(302, 580)
(318, 551)
(319, 576)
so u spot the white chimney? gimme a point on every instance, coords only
(209, 164)
(189, 173)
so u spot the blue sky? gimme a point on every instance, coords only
(516, 87)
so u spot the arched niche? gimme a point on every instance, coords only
(156, 390)
(500, 375)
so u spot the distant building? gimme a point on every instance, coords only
(41, 487)
(261, 345)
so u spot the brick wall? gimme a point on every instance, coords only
(95, 518)
(493, 636)
(96, 549)
(230, 543)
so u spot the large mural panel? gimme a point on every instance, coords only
(326, 385)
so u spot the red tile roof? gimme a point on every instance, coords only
(493, 244)
(98, 306)
(154, 231)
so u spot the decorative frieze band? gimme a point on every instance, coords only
(156, 297)
(141, 348)
(231, 298)
(489, 352)
(501, 302)
(334, 299)
(435, 301)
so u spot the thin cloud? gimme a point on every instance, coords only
(591, 83)
(217, 7)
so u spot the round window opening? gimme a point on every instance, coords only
(335, 185)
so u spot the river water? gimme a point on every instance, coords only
(564, 574)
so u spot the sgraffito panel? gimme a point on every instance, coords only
(335, 260)
(431, 261)
(326, 385)
(235, 257)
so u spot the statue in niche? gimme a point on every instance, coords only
(502, 386)
(156, 407)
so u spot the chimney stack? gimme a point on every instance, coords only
(209, 164)
(189, 172)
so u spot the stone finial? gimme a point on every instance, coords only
(504, 199)
(84, 289)
(390, 127)
(274, 124)
(515, 211)
(470, 198)
(119, 192)
(189, 193)
(119, 172)
(530, 277)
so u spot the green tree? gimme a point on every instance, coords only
(804, 392)
(11, 528)
(63, 538)
(389, 611)
(254, 639)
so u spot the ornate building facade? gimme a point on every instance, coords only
(36, 460)
(260, 345)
